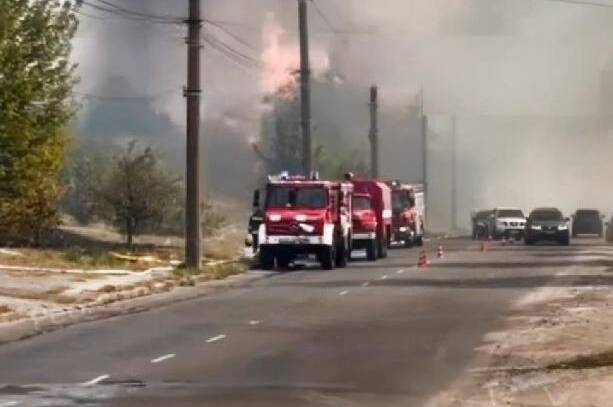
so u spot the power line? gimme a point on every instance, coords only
(323, 16)
(211, 39)
(140, 14)
(127, 99)
(127, 16)
(230, 34)
(583, 3)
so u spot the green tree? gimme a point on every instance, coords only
(138, 194)
(36, 80)
(83, 174)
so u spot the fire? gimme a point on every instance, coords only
(281, 61)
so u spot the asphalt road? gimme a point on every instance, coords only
(374, 334)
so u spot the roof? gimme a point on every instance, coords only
(546, 209)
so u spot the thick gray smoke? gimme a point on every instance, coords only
(526, 79)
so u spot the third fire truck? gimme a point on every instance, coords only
(408, 213)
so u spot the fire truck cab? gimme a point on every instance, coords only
(305, 216)
(408, 213)
(364, 222)
(381, 199)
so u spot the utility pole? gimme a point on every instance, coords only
(373, 134)
(424, 140)
(454, 177)
(305, 88)
(192, 95)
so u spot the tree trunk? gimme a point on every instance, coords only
(129, 232)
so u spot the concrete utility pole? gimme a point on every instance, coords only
(305, 88)
(373, 134)
(454, 177)
(192, 94)
(424, 140)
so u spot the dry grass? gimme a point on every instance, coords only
(76, 258)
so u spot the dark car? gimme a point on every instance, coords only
(547, 224)
(587, 222)
(481, 224)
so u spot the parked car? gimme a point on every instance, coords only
(481, 224)
(609, 233)
(508, 223)
(587, 222)
(547, 224)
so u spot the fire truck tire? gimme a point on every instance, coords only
(382, 248)
(342, 253)
(371, 250)
(267, 258)
(408, 242)
(419, 241)
(283, 261)
(327, 257)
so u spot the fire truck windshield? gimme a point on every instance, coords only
(288, 197)
(400, 200)
(361, 203)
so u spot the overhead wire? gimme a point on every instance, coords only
(583, 3)
(140, 14)
(324, 17)
(127, 99)
(118, 13)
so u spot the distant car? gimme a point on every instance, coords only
(587, 222)
(481, 224)
(609, 232)
(547, 224)
(508, 223)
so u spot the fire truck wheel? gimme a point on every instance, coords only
(267, 259)
(371, 250)
(342, 255)
(283, 261)
(419, 241)
(326, 257)
(408, 242)
(382, 248)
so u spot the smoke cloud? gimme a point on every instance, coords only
(527, 80)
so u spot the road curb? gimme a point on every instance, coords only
(29, 327)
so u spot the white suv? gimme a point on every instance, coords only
(508, 223)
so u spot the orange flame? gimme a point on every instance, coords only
(281, 61)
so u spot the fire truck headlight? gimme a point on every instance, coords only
(274, 218)
(403, 229)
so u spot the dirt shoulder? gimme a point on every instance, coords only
(92, 277)
(556, 349)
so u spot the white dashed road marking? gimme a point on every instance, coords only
(366, 284)
(163, 358)
(254, 322)
(492, 399)
(216, 338)
(400, 271)
(8, 403)
(344, 292)
(97, 380)
(384, 277)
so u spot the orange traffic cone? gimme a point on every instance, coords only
(423, 260)
(440, 254)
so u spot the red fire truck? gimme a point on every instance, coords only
(305, 216)
(408, 213)
(364, 221)
(381, 199)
